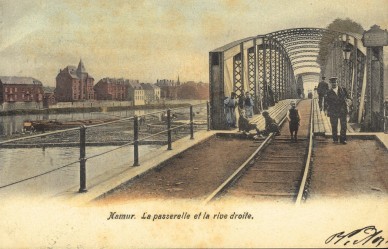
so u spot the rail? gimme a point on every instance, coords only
(302, 187)
(237, 173)
(136, 158)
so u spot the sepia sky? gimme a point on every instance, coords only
(149, 40)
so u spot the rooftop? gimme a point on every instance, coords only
(16, 80)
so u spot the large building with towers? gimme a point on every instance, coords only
(74, 84)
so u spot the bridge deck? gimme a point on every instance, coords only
(110, 179)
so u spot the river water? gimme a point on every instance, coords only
(18, 164)
(14, 124)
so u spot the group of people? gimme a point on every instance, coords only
(245, 108)
(245, 103)
(333, 100)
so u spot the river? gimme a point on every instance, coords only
(19, 164)
(14, 124)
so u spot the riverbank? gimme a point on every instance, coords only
(91, 109)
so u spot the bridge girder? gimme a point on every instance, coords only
(302, 61)
(290, 54)
(265, 63)
(294, 57)
(288, 49)
(294, 43)
(312, 37)
(303, 66)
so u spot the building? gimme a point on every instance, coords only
(20, 93)
(135, 92)
(49, 96)
(168, 88)
(111, 89)
(151, 93)
(74, 84)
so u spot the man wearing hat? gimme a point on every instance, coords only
(322, 90)
(337, 109)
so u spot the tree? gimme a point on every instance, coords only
(192, 90)
(340, 25)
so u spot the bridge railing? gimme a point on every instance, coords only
(145, 129)
(386, 116)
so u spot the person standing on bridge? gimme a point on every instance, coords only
(299, 92)
(337, 109)
(230, 106)
(241, 103)
(322, 90)
(248, 103)
(293, 117)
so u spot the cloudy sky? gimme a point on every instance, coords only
(151, 39)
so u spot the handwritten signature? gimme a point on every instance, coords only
(362, 236)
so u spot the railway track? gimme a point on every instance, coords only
(274, 168)
(278, 169)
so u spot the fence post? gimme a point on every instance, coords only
(169, 129)
(208, 115)
(136, 142)
(191, 123)
(386, 117)
(82, 162)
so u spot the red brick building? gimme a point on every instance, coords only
(74, 84)
(20, 89)
(111, 89)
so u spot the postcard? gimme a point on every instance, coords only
(193, 124)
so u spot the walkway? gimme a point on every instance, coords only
(358, 168)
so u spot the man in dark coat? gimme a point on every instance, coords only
(293, 117)
(322, 90)
(241, 102)
(337, 109)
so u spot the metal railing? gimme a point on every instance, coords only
(169, 115)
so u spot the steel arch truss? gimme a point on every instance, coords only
(265, 66)
(238, 86)
(303, 61)
(350, 74)
(252, 72)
